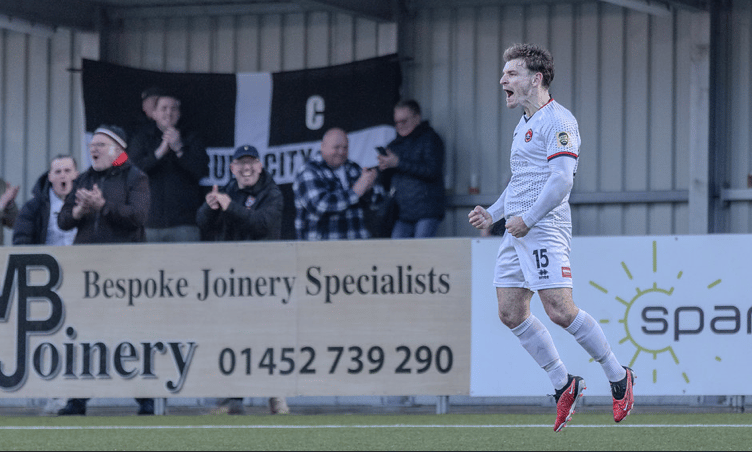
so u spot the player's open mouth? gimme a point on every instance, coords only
(509, 93)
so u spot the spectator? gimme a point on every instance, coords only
(109, 203)
(146, 118)
(8, 207)
(249, 207)
(332, 191)
(37, 221)
(175, 161)
(415, 160)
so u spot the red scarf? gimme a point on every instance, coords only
(122, 158)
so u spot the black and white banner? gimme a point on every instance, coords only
(283, 114)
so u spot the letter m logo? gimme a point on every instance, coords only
(17, 277)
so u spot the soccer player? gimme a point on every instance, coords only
(534, 253)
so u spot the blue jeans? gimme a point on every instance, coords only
(425, 227)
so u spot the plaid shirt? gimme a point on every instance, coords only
(325, 210)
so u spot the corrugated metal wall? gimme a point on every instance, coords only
(629, 77)
(624, 74)
(40, 102)
(740, 116)
(249, 43)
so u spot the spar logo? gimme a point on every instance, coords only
(661, 312)
(34, 279)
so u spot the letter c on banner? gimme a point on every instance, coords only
(314, 112)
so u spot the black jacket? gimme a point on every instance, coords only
(174, 182)
(418, 180)
(261, 220)
(125, 189)
(31, 224)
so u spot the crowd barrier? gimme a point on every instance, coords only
(359, 318)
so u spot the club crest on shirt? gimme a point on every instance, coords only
(563, 138)
(528, 135)
(249, 201)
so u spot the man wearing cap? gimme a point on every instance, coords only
(175, 161)
(109, 203)
(249, 207)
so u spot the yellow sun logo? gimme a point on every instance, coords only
(647, 310)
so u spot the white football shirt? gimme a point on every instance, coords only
(551, 133)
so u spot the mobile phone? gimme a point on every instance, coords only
(381, 150)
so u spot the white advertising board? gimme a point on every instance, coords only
(377, 317)
(244, 319)
(677, 309)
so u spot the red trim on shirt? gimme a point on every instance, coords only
(562, 154)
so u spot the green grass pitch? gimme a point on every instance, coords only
(586, 431)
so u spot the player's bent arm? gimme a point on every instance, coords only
(497, 209)
(556, 188)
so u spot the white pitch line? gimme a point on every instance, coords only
(270, 427)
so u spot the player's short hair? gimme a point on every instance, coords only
(536, 59)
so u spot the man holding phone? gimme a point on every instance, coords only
(415, 163)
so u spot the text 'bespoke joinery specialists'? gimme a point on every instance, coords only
(214, 285)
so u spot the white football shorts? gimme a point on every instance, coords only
(540, 260)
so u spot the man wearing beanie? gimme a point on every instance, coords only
(109, 203)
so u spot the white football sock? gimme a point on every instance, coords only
(536, 339)
(590, 336)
